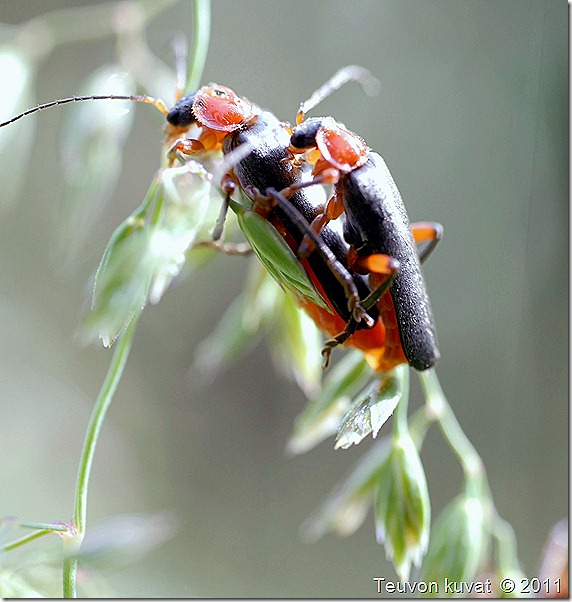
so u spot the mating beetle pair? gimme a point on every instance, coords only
(381, 240)
(386, 315)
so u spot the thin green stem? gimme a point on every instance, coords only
(102, 403)
(70, 577)
(39, 36)
(101, 406)
(439, 410)
(40, 529)
(507, 555)
(419, 424)
(17, 543)
(57, 527)
(201, 38)
(400, 424)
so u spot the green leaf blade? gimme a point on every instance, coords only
(277, 257)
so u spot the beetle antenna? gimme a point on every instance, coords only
(363, 76)
(159, 104)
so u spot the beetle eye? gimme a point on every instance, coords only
(219, 92)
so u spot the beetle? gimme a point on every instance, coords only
(382, 242)
(378, 229)
(237, 124)
(227, 122)
(231, 123)
(218, 111)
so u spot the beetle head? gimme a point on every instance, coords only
(219, 108)
(341, 148)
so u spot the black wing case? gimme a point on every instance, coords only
(376, 222)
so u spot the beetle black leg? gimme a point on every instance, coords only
(228, 186)
(339, 271)
(339, 339)
(427, 231)
(379, 264)
(332, 209)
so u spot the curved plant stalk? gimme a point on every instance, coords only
(439, 410)
(17, 543)
(476, 487)
(115, 372)
(74, 537)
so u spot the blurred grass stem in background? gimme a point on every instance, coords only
(118, 361)
(121, 353)
(65, 27)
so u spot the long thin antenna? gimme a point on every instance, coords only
(363, 76)
(159, 104)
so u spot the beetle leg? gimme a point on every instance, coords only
(383, 265)
(187, 146)
(333, 209)
(228, 186)
(339, 271)
(427, 231)
(291, 157)
(326, 176)
(339, 339)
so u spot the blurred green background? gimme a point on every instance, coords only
(472, 119)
